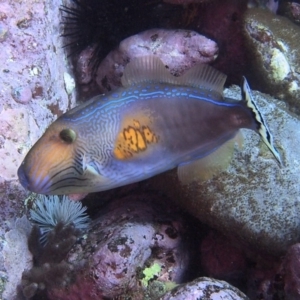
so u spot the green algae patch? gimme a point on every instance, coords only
(150, 273)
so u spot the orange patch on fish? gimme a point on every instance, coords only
(149, 135)
(133, 139)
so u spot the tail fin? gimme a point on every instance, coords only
(262, 127)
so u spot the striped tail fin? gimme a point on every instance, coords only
(262, 127)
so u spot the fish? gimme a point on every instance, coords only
(153, 123)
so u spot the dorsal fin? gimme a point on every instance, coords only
(152, 69)
(204, 77)
(146, 69)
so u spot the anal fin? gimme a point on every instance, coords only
(206, 167)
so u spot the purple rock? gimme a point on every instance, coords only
(205, 288)
(130, 236)
(295, 11)
(3, 33)
(178, 49)
(32, 57)
(22, 94)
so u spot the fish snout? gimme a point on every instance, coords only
(32, 183)
(23, 177)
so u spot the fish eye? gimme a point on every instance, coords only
(68, 135)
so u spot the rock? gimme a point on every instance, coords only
(3, 33)
(273, 42)
(221, 21)
(32, 67)
(220, 259)
(291, 10)
(289, 273)
(205, 288)
(295, 12)
(271, 5)
(259, 284)
(178, 49)
(281, 280)
(22, 94)
(255, 200)
(17, 257)
(132, 244)
(15, 124)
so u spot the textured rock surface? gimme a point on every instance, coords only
(273, 41)
(32, 62)
(32, 94)
(291, 10)
(132, 234)
(178, 49)
(255, 200)
(220, 259)
(289, 273)
(205, 288)
(280, 280)
(17, 257)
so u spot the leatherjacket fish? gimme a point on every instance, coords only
(154, 123)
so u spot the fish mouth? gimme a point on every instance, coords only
(52, 184)
(37, 185)
(23, 177)
(58, 181)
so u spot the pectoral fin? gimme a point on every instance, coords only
(210, 165)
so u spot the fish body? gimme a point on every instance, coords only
(154, 123)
